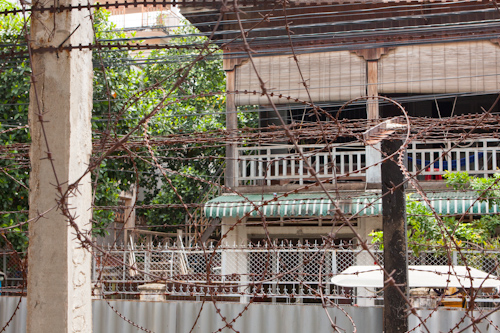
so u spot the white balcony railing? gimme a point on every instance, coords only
(283, 164)
(151, 17)
(434, 158)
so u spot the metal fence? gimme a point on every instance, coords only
(11, 264)
(278, 273)
(180, 317)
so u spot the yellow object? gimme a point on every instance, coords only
(453, 298)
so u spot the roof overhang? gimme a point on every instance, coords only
(350, 25)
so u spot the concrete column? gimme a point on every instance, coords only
(231, 124)
(366, 226)
(234, 258)
(395, 242)
(59, 280)
(373, 155)
(238, 236)
(129, 199)
(371, 89)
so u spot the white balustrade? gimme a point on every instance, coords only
(433, 158)
(283, 164)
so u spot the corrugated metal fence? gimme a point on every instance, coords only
(179, 317)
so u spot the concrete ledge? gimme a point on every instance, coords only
(154, 292)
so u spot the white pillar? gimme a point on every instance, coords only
(59, 280)
(373, 155)
(373, 174)
(231, 172)
(366, 226)
(129, 198)
(234, 257)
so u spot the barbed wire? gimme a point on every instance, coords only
(269, 264)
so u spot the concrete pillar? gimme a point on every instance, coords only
(234, 258)
(366, 226)
(373, 174)
(129, 199)
(59, 280)
(395, 242)
(231, 171)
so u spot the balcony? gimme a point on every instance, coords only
(283, 164)
(146, 18)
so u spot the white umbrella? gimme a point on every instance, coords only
(419, 276)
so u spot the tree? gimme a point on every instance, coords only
(196, 105)
(127, 87)
(14, 134)
(426, 231)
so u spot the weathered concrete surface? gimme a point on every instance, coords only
(154, 292)
(235, 261)
(59, 298)
(395, 243)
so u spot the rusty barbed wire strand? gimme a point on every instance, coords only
(461, 130)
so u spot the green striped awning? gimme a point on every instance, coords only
(457, 203)
(319, 204)
(308, 204)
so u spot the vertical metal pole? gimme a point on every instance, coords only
(395, 243)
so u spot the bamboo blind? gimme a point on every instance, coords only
(330, 76)
(441, 68)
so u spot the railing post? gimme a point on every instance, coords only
(171, 263)
(4, 268)
(125, 261)
(277, 268)
(147, 265)
(485, 158)
(269, 167)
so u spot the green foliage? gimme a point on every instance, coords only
(115, 84)
(189, 107)
(14, 88)
(487, 189)
(425, 231)
(107, 193)
(123, 95)
(457, 180)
